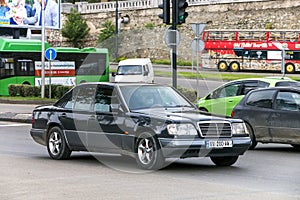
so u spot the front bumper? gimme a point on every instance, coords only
(184, 148)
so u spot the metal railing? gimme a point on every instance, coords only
(84, 7)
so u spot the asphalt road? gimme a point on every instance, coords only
(27, 172)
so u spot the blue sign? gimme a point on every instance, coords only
(50, 54)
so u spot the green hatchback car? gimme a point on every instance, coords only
(223, 99)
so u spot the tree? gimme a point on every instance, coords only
(75, 28)
(107, 31)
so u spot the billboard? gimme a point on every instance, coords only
(27, 13)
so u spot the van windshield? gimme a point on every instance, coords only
(129, 70)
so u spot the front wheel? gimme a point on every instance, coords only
(56, 145)
(296, 146)
(148, 152)
(224, 161)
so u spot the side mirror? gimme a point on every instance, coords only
(116, 108)
(113, 74)
(146, 73)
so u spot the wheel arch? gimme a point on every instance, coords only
(55, 124)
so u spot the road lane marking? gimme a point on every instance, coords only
(12, 125)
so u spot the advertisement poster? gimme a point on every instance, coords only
(27, 13)
(62, 73)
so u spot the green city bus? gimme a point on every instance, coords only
(20, 63)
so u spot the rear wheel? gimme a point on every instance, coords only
(56, 145)
(234, 66)
(289, 68)
(148, 152)
(224, 161)
(252, 136)
(222, 66)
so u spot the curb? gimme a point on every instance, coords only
(13, 117)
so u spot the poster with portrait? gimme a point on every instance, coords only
(26, 13)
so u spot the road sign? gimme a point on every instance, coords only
(50, 54)
(197, 45)
(172, 37)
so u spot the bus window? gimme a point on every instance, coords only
(25, 68)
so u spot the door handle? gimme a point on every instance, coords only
(92, 117)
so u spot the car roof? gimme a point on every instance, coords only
(135, 61)
(269, 79)
(297, 89)
(119, 83)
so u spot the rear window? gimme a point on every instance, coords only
(288, 83)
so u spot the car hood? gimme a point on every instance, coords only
(180, 115)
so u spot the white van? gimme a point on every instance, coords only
(135, 70)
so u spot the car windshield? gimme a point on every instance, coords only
(151, 96)
(129, 70)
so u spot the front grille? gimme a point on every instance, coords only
(215, 129)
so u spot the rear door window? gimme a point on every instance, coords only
(261, 98)
(85, 97)
(287, 83)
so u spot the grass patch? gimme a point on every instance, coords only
(27, 99)
(218, 75)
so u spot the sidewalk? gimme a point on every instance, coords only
(16, 112)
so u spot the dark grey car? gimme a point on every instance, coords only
(151, 122)
(272, 115)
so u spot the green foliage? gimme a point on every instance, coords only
(168, 62)
(107, 39)
(149, 25)
(108, 31)
(188, 93)
(12, 90)
(57, 91)
(75, 28)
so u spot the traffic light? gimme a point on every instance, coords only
(166, 11)
(181, 15)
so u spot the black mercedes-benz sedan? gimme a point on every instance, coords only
(148, 121)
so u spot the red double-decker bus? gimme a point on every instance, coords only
(236, 50)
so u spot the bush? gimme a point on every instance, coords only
(61, 90)
(27, 91)
(188, 93)
(12, 90)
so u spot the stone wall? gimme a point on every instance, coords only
(144, 35)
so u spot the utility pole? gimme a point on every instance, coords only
(117, 29)
(43, 51)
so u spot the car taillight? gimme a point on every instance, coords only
(232, 113)
(32, 119)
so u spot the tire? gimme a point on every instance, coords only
(252, 137)
(235, 67)
(148, 152)
(203, 109)
(296, 146)
(224, 161)
(56, 144)
(290, 68)
(222, 66)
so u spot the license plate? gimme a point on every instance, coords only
(218, 143)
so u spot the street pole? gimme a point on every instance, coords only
(43, 50)
(174, 47)
(117, 29)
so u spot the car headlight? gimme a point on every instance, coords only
(181, 129)
(239, 129)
